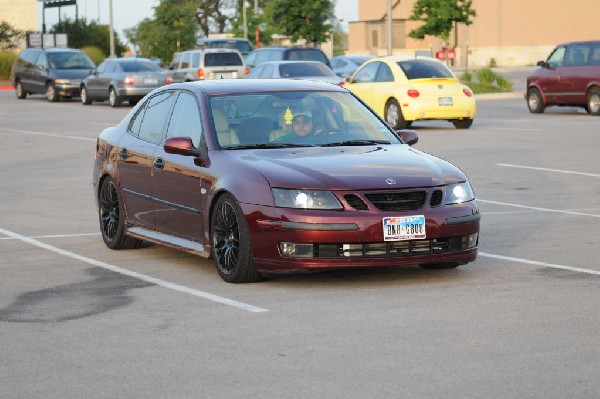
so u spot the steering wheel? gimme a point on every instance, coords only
(328, 131)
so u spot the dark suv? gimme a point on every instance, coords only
(297, 53)
(55, 72)
(569, 77)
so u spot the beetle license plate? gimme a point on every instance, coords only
(445, 101)
(404, 228)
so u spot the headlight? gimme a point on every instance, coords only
(305, 199)
(459, 193)
(62, 81)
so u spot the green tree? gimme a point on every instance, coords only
(211, 15)
(254, 20)
(308, 19)
(439, 17)
(172, 29)
(9, 36)
(82, 33)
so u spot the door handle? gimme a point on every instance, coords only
(159, 164)
(124, 154)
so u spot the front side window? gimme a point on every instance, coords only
(577, 55)
(556, 58)
(185, 119)
(367, 73)
(42, 62)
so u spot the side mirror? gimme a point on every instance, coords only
(410, 137)
(181, 146)
(542, 64)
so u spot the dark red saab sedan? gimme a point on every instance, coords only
(273, 176)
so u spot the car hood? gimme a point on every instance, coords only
(70, 73)
(349, 168)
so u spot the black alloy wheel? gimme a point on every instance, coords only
(112, 218)
(231, 246)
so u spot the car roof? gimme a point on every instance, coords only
(291, 62)
(223, 39)
(247, 86)
(56, 50)
(582, 42)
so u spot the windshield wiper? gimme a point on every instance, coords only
(355, 142)
(266, 145)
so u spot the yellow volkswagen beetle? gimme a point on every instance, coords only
(404, 90)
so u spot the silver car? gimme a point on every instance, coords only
(207, 64)
(123, 79)
(308, 70)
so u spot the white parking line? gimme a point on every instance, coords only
(62, 136)
(508, 165)
(538, 209)
(537, 263)
(143, 277)
(56, 236)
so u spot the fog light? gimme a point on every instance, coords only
(472, 241)
(296, 250)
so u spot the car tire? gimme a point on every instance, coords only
(113, 98)
(535, 102)
(231, 246)
(19, 91)
(111, 215)
(439, 266)
(463, 123)
(51, 94)
(393, 115)
(593, 105)
(85, 98)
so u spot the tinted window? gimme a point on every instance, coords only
(222, 59)
(29, 57)
(240, 45)
(595, 55)
(102, 67)
(110, 67)
(185, 120)
(149, 122)
(196, 60)
(577, 55)
(424, 69)
(42, 61)
(298, 69)
(139, 66)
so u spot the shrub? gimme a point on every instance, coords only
(486, 76)
(6, 60)
(95, 53)
(467, 77)
(502, 83)
(493, 63)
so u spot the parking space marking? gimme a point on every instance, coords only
(56, 236)
(143, 277)
(572, 172)
(538, 208)
(537, 263)
(62, 136)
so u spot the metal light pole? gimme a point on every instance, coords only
(244, 6)
(110, 30)
(389, 27)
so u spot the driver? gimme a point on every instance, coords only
(302, 124)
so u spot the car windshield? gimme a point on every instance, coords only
(296, 119)
(139, 66)
(69, 60)
(241, 46)
(306, 54)
(304, 69)
(424, 69)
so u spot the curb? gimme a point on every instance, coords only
(6, 88)
(499, 96)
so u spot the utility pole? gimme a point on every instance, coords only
(110, 30)
(389, 27)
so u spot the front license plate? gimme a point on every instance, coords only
(445, 100)
(150, 81)
(404, 228)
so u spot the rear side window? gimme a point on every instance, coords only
(423, 69)
(148, 123)
(222, 59)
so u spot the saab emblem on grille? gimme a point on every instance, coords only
(389, 180)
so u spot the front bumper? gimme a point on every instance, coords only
(355, 239)
(68, 89)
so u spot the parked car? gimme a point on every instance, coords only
(123, 79)
(279, 53)
(569, 77)
(242, 45)
(311, 70)
(179, 172)
(207, 64)
(404, 90)
(55, 72)
(346, 65)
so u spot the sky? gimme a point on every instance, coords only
(128, 13)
